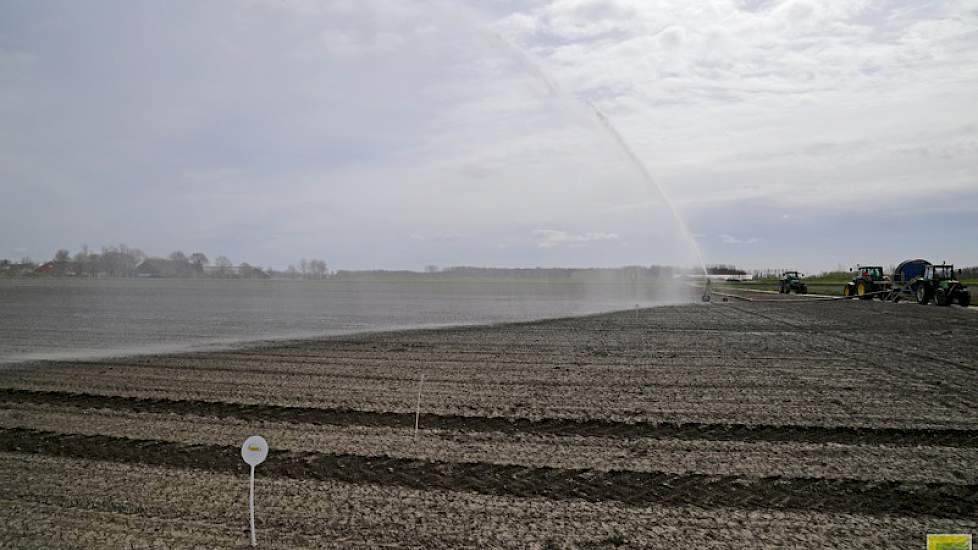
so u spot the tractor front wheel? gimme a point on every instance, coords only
(941, 297)
(847, 291)
(922, 293)
(964, 298)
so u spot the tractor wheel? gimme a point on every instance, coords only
(941, 297)
(964, 298)
(865, 290)
(803, 290)
(922, 293)
(847, 291)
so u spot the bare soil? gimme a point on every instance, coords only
(775, 423)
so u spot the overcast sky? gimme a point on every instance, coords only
(398, 133)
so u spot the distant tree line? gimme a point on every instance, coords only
(308, 269)
(776, 273)
(968, 273)
(626, 274)
(123, 261)
(724, 269)
(843, 274)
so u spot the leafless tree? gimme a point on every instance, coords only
(317, 269)
(199, 260)
(223, 266)
(85, 262)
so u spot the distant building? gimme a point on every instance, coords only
(47, 267)
(243, 271)
(21, 269)
(700, 277)
(54, 267)
(161, 267)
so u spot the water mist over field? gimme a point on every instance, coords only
(534, 68)
(62, 319)
(377, 136)
(369, 134)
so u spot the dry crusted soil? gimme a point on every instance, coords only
(782, 423)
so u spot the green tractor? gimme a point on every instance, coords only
(791, 281)
(868, 281)
(939, 283)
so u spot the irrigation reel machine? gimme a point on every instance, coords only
(917, 280)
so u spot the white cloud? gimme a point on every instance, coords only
(547, 238)
(352, 124)
(734, 105)
(730, 239)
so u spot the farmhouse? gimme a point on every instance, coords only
(161, 267)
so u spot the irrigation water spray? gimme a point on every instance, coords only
(640, 166)
(499, 43)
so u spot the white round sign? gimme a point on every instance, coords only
(254, 450)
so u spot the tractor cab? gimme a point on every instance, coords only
(871, 272)
(791, 282)
(939, 283)
(939, 272)
(867, 282)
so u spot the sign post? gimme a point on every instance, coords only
(253, 451)
(417, 412)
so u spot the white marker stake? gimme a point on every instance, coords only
(417, 413)
(254, 451)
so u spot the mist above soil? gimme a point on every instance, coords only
(51, 319)
(373, 135)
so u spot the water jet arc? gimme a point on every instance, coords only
(535, 69)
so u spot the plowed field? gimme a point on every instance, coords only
(773, 424)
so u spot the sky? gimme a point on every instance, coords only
(396, 134)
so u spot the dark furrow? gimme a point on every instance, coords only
(631, 488)
(551, 426)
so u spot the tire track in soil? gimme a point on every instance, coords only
(474, 424)
(963, 393)
(837, 333)
(630, 488)
(411, 377)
